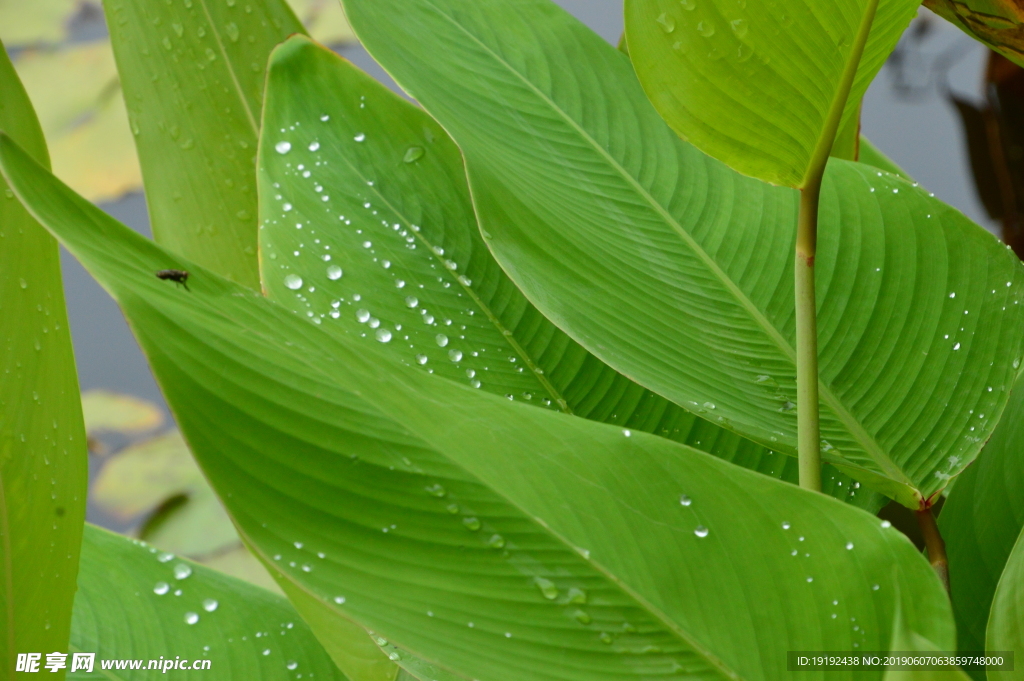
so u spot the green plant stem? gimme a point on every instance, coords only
(808, 429)
(934, 544)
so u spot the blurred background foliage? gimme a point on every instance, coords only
(143, 480)
(62, 54)
(145, 483)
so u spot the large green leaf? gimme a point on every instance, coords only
(193, 74)
(42, 439)
(376, 238)
(136, 603)
(762, 86)
(1006, 624)
(980, 522)
(904, 639)
(677, 271)
(494, 539)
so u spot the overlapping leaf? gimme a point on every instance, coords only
(76, 92)
(42, 439)
(763, 87)
(137, 603)
(1006, 624)
(367, 228)
(193, 74)
(677, 271)
(908, 641)
(980, 522)
(494, 539)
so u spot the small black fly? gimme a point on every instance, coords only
(177, 276)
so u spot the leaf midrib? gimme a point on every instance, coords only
(838, 408)
(507, 335)
(231, 70)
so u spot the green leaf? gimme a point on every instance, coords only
(389, 251)
(763, 87)
(43, 461)
(193, 75)
(1006, 624)
(871, 155)
(905, 639)
(76, 93)
(137, 603)
(981, 520)
(563, 541)
(677, 271)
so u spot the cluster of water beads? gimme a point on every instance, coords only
(385, 335)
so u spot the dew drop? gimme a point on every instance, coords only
(383, 335)
(471, 523)
(191, 618)
(333, 273)
(786, 526)
(283, 147)
(314, 146)
(340, 600)
(436, 490)
(496, 542)
(547, 588)
(701, 531)
(293, 281)
(161, 588)
(413, 154)
(360, 137)
(362, 316)
(421, 359)
(292, 665)
(706, 28)
(740, 27)
(455, 355)
(849, 546)
(442, 340)
(210, 604)
(685, 500)
(582, 617)
(412, 301)
(667, 22)
(182, 571)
